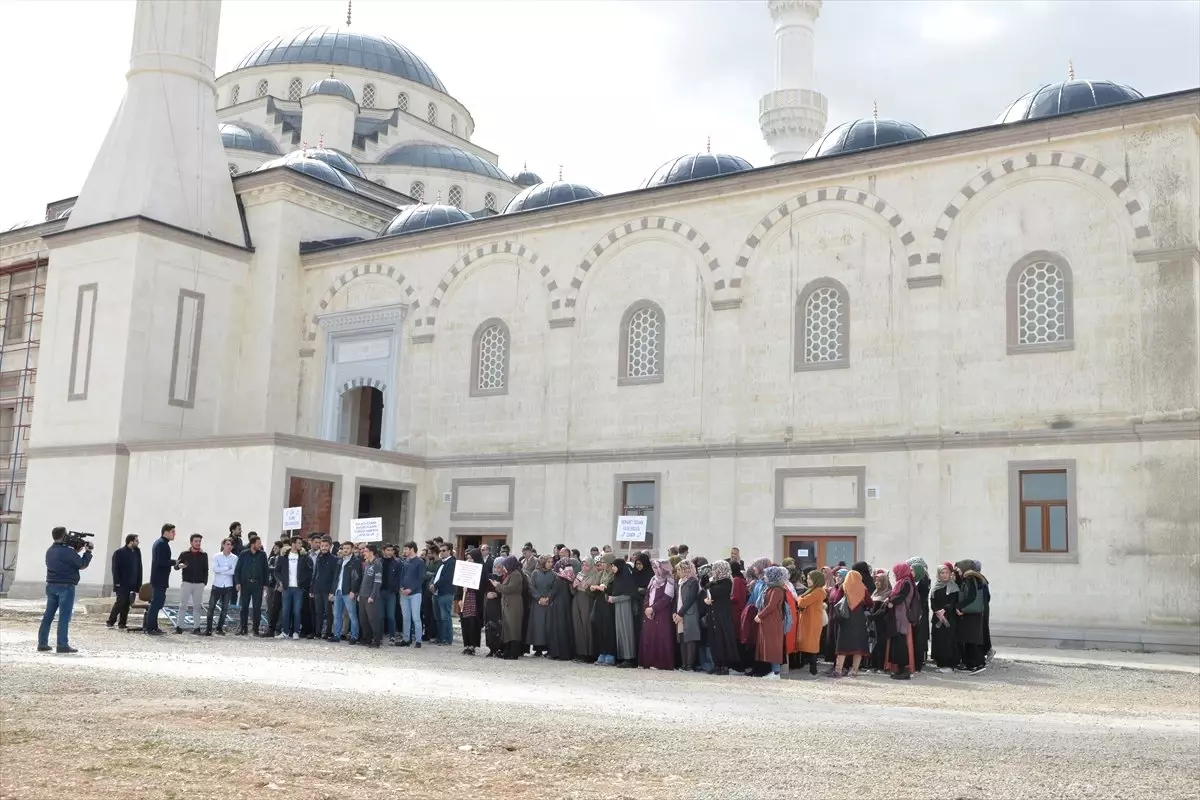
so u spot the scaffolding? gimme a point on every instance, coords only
(22, 301)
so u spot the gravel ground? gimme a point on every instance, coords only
(196, 718)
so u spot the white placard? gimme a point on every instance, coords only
(366, 530)
(802, 554)
(631, 529)
(467, 574)
(291, 518)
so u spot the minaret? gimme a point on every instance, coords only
(793, 116)
(162, 157)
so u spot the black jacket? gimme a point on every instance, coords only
(161, 563)
(351, 576)
(251, 568)
(445, 584)
(391, 574)
(304, 571)
(324, 573)
(127, 569)
(194, 566)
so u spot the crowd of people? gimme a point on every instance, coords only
(679, 612)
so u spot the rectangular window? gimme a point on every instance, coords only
(14, 321)
(8, 435)
(81, 347)
(1042, 513)
(185, 357)
(638, 499)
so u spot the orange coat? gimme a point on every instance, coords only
(791, 642)
(810, 626)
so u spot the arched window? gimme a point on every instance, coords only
(823, 326)
(234, 93)
(431, 114)
(233, 170)
(402, 101)
(455, 197)
(261, 91)
(454, 124)
(368, 96)
(489, 201)
(643, 339)
(360, 417)
(295, 87)
(417, 191)
(1040, 304)
(489, 359)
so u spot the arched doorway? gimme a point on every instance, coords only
(360, 420)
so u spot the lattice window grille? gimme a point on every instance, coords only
(493, 353)
(402, 101)
(261, 91)
(454, 124)
(233, 169)
(1041, 304)
(417, 191)
(645, 344)
(234, 94)
(455, 196)
(294, 89)
(368, 97)
(431, 114)
(489, 201)
(824, 323)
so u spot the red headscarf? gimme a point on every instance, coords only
(903, 573)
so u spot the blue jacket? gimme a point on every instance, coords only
(325, 572)
(63, 564)
(127, 569)
(251, 568)
(160, 564)
(412, 574)
(445, 583)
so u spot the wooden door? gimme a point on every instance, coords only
(815, 551)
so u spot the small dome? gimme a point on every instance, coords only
(1068, 96)
(696, 166)
(311, 167)
(241, 137)
(335, 159)
(863, 134)
(554, 193)
(334, 86)
(441, 156)
(526, 178)
(422, 217)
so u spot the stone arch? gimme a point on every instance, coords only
(832, 194)
(1052, 160)
(652, 225)
(389, 272)
(483, 251)
(355, 383)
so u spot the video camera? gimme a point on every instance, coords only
(77, 539)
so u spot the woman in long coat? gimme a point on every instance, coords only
(470, 610)
(970, 608)
(604, 624)
(541, 582)
(768, 646)
(581, 611)
(920, 628)
(737, 600)
(851, 610)
(879, 619)
(899, 656)
(622, 592)
(643, 573)
(943, 601)
(559, 627)
(811, 621)
(686, 614)
(721, 639)
(656, 647)
(511, 588)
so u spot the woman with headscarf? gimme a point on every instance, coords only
(851, 611)
(686, 614)
(704, 661)
(770, 606)
(988, 652)
(791, 637)
(559, 633)
(880, 620)
(604, 624)
(541, 582)
(832, 595)
(471, 607)
(721, 640)
(656, 646)
(738, 597)
(943, 600)
(643, 573)
(898, 658)
(511, 588)
(920, 628)
(621, 596)
(811, 621)
(969, 610)
(581, 611)
(748, 629)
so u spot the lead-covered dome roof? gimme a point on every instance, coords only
(422, 217)
(863, 134)
(332, 86)
(242, 137)
(549, 194)
(441, 156)
(1063, 98)
(328, 44)
(695, 166)
(335, 159)
(526, 178)
(312, 167)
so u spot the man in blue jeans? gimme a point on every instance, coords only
(412, 577)
(294, 571)
(161, 565)
(345, 590)
(62, 576)
(442, 587)
(390, 569)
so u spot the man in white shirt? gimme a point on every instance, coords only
(223, 565)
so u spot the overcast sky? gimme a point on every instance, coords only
(608, 89)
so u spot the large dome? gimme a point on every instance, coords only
(335, 159)
(526, 178)
(441, 156)
(312, 167)
(549, 194)
(863, 134)
(423, 217)
(1068, 96)
(695, 166)
(242, 137)
(327, 44)
(332, 86)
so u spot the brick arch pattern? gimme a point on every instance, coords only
(495, 248)
(1047, 161)
(355, 383)
(643, 225)
(815, 197)
(391, 273)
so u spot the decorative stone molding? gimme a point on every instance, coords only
(363, 318)
(1046, 162)
(356, 383)
(501, 248)
(383, 270)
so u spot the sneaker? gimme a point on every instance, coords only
(977, 670)
(417, 645)
(109, 625)
(295, 637)
(771, 676)
(281, 636)
(64, 649)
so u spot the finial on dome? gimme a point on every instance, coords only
(560, 172)
(321, 141)
(874, 109)
(438, 201)
(708, 145)
(1070, 69)
(331, 73)
(525, 166)
(349, 7)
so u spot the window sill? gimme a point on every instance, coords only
(1043, 558)
(1047, 347)
(639, 381)
(819, 366)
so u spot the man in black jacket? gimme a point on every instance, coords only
(249, 578)
(345, 588)
(293, 571)
(194, 564)
(161, 565)
(442, 587)
(127, 581)
(325, 569)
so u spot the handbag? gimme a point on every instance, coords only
(824, 615)
(843, 609)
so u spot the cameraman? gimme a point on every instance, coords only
(63, 563)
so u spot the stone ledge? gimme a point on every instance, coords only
(1150, 639)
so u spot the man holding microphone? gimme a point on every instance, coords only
(63, 563)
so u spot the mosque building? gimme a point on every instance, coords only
(303, 284)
